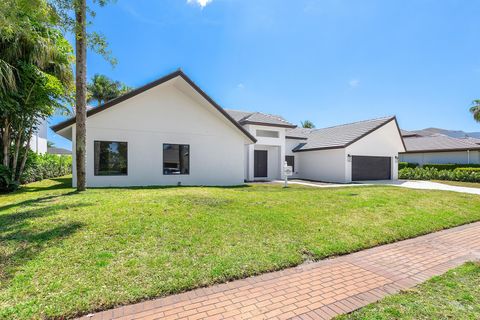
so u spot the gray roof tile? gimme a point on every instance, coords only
(340, 136)
(245, 117)
(439, 143)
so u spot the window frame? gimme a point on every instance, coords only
(276, 134)
(293, 157)
(95, 162)
(163, 159)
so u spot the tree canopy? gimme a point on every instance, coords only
(308, 124)
(36, 79)
(475, 110)
(102, 89)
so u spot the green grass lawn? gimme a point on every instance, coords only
(454, 295)
(460, 184)
(63, 253)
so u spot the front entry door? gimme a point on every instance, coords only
(260, 164)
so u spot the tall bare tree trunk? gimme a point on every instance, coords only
(25, 156)
(6, 143)
(81, 91)
(18, 143)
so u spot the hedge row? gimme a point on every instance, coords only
(403, 165)
(37, 167)
(450, 166)
(435, 174)
(474, 169)
(46, 166)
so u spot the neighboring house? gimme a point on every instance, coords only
(440, 149)
(58, 151)
(38, 142)
(169, 132)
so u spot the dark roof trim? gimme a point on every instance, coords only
(133, 93)
(268, 124)
(441, 150)
(360, 137)
(296, 138)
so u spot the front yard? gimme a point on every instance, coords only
(454, 295)
(65, 254)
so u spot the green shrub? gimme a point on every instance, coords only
(450, 166)
(45, 166)
(6, 183)
(403, 165)
(469, 169)
(435, 174)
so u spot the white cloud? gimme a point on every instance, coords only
(240, 86)
(201, 3)
(354, 83)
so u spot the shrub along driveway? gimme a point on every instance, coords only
(66, 254)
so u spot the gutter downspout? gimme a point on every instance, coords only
(468, 156)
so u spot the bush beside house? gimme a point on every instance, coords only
(426, 173)
(37, 167)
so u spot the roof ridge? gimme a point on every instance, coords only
(355, 122)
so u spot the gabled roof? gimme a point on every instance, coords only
(439, 143)
(298, 133)
(133, 93)
(341, 136)
(259, 118)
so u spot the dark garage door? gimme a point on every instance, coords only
(371, 168)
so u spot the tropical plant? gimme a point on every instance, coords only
(475, 110)
(308, 124)
(40, 59)
(102, 89)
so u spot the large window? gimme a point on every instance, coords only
(111, 158)
(176, 159)
(290, 162)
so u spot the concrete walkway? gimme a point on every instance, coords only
(410, 184)
(318, 290)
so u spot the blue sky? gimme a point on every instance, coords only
(329, 61)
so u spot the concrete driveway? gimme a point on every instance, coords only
(425, 185)
(411, 184)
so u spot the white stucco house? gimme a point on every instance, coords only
(169, 132)
(38, 142)
(439, 149)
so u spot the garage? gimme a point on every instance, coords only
(371, 168)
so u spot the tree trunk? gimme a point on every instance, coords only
(6, 143)
(25, 156)
(81, 91)
(18, 142)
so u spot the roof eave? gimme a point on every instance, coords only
(441, 150)
(267, 124)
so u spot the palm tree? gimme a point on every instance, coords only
(308, 124)
(475, 110)
(103, 89)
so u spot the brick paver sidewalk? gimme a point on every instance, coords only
(318, 290)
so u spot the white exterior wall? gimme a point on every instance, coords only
(290, 144)
(322, 165)
(38, 142)
(168, 114)
(383, 142)
(460, 157)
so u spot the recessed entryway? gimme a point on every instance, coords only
(371, 168)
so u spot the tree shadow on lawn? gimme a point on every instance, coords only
(17, 231)
(34, 201)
